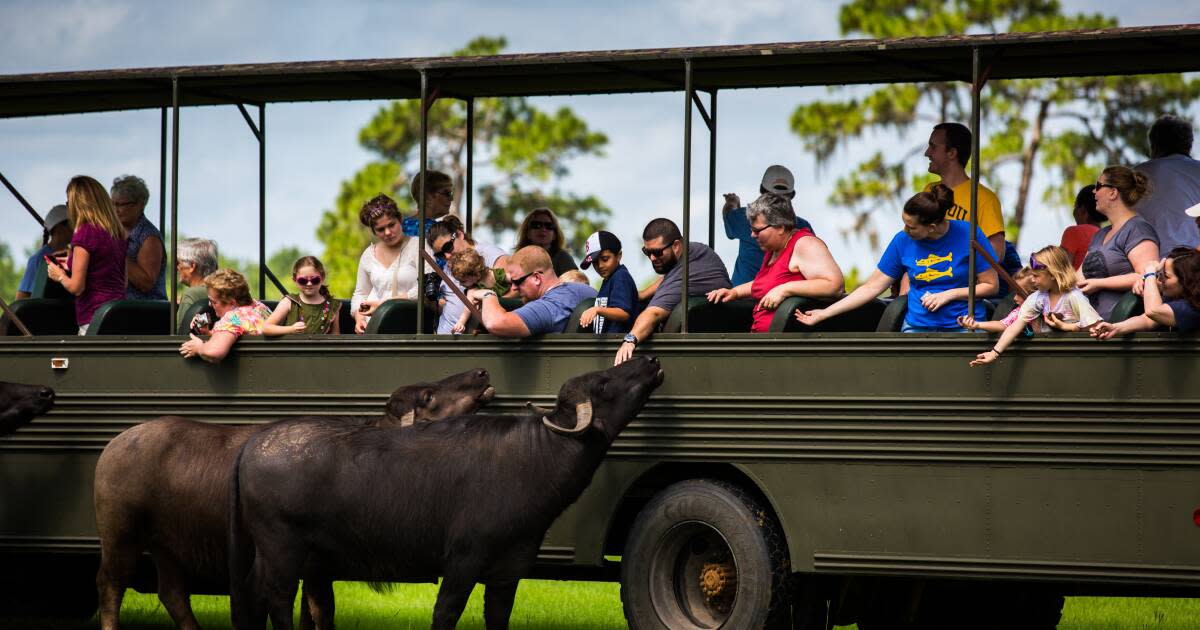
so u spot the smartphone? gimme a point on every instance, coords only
(50, 260)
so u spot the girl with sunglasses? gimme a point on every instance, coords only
(1058, 301)
(313, 310)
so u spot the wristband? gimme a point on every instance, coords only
(486, 294)
(630, 338)
(1149, 274)
(998, 353)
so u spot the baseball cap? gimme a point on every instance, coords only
(777, 179)
(1194, 211)
(57, 215)
(598, 242)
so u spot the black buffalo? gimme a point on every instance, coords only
(21, 403)
(468, 499)
(161, 487)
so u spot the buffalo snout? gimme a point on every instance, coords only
(21, 403)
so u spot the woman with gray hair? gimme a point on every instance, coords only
(197, 258)
(795, 262)
(145, 256)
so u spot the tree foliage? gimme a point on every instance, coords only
(528, 149)
(1067, 128)
(11, 271)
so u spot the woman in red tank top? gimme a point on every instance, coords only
(795, 262)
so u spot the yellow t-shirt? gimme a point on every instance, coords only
(990, 220)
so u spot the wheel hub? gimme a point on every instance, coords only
(718, 582)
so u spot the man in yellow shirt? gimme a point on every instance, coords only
(948, 153)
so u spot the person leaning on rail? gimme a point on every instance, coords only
(549, 302)
(541, 228)
(239, 314)
(933, 250)
(1127, 244)
(197, 258)
(663, 245)
(1171, 296)
(145, 255)
(795, 262)
(1174, 178)
(776, 179)
(387, 268)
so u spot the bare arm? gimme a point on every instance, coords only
(142, 271)
(1140, 256)
(642, 328)
(211, 351)
(877, 283)
(1006, 339)
(997, 242)
(77, 281)
(648, 292)
(498, 321)
(280, 312)
(1155, 308)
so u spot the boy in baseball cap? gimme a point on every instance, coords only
(617, 302)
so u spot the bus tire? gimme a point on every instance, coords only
(704, 554)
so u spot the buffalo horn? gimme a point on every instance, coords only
(408, 418)
(583, 419)
(536, 409)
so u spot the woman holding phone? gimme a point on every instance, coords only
(95, 267)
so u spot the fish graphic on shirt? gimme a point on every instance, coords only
(929, 275)
(934, 259)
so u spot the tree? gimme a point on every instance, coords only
(528, 148)
(10, 273)
(1069, 127)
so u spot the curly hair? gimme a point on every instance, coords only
(133, 187)
(230, 286)
(465, 264)
(378, 206)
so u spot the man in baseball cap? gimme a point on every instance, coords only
(617, 302)
(777, 180)
(56, 236)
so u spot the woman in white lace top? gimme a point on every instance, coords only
(388, 267)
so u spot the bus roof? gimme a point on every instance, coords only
(1117, 51)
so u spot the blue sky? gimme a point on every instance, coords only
(313, 147)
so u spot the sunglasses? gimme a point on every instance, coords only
(305, 281)
(541, 225)
(657, 253)
(516, 282)
(445, 192)
(756, 231)
(447, 247)
(1100, 184)
(1034, 264)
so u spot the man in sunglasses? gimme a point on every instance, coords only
(662, 243)
(549, 302)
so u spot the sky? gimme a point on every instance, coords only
(312, 147)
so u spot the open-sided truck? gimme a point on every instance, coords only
(850, 473)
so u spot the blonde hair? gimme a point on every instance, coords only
(468, 262)
(88, 202)
(531, 258)
(575, 275)
(230, 286)
(1058, 264)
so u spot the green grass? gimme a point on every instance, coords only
(546, 605)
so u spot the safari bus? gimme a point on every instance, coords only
(833, 474)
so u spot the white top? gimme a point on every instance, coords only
(454, 307)
(1174, 187)
(376, 282)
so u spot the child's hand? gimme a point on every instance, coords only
(585, 320)
(298, 327)
(985, 357)
(968, 322)
(811, 318)
(1054, 320)
(458, 328)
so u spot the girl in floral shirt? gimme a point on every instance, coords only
(229, 296)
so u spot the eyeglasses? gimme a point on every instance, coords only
(756, 231)
(657, 253)
(1034, 264)
(447, 247)
(308, 280)
(1100, 184)
(541, 225)
(445, 192)
(516, 282)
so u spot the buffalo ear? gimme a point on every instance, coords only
(583, 420)
(425, 397)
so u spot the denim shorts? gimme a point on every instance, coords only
(908, 328)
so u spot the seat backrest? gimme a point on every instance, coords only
(573, 321)
(892, 319)
(1130, 305)
(706, 317)
(1004, 307)
(399, 317)
(185, 317)
(345, 319)
(131, 317)
(862, 319)
(42, 317)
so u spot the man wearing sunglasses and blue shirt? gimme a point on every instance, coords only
(549, 302)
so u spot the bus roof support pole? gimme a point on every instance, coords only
(262, 201)
(421, 202)
(469, 185)
(162, 174)
(174, 199)
(712, 169)
(16, 193)
(976, 88)
(688, 94)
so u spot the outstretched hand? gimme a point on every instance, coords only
(1103, 330)
(811, 318)
(968, 322)
(985, 357)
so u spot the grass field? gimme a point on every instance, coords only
(545, 605)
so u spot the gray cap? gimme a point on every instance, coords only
(778, 180)
(57, 215)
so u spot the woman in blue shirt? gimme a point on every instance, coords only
(933, 251)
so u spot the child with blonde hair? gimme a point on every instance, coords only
(1058, 301)
(1024, 279)
(468, 268)
(575, 275)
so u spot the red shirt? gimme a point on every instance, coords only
(1076, 239)
(773, 274)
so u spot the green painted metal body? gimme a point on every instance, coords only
(1069, 460)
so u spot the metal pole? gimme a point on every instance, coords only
(162, 175)
(712, 169)
(174, 298)
(687, 186)
(13, 189)
(421, 204)
(470, 183)
(975, 89)
(262, 201)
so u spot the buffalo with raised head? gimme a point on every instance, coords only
(468, 498)
(21, 403)
(161, 487)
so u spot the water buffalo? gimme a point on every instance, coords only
(161, 487)
(467, 498)
(21, 403)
